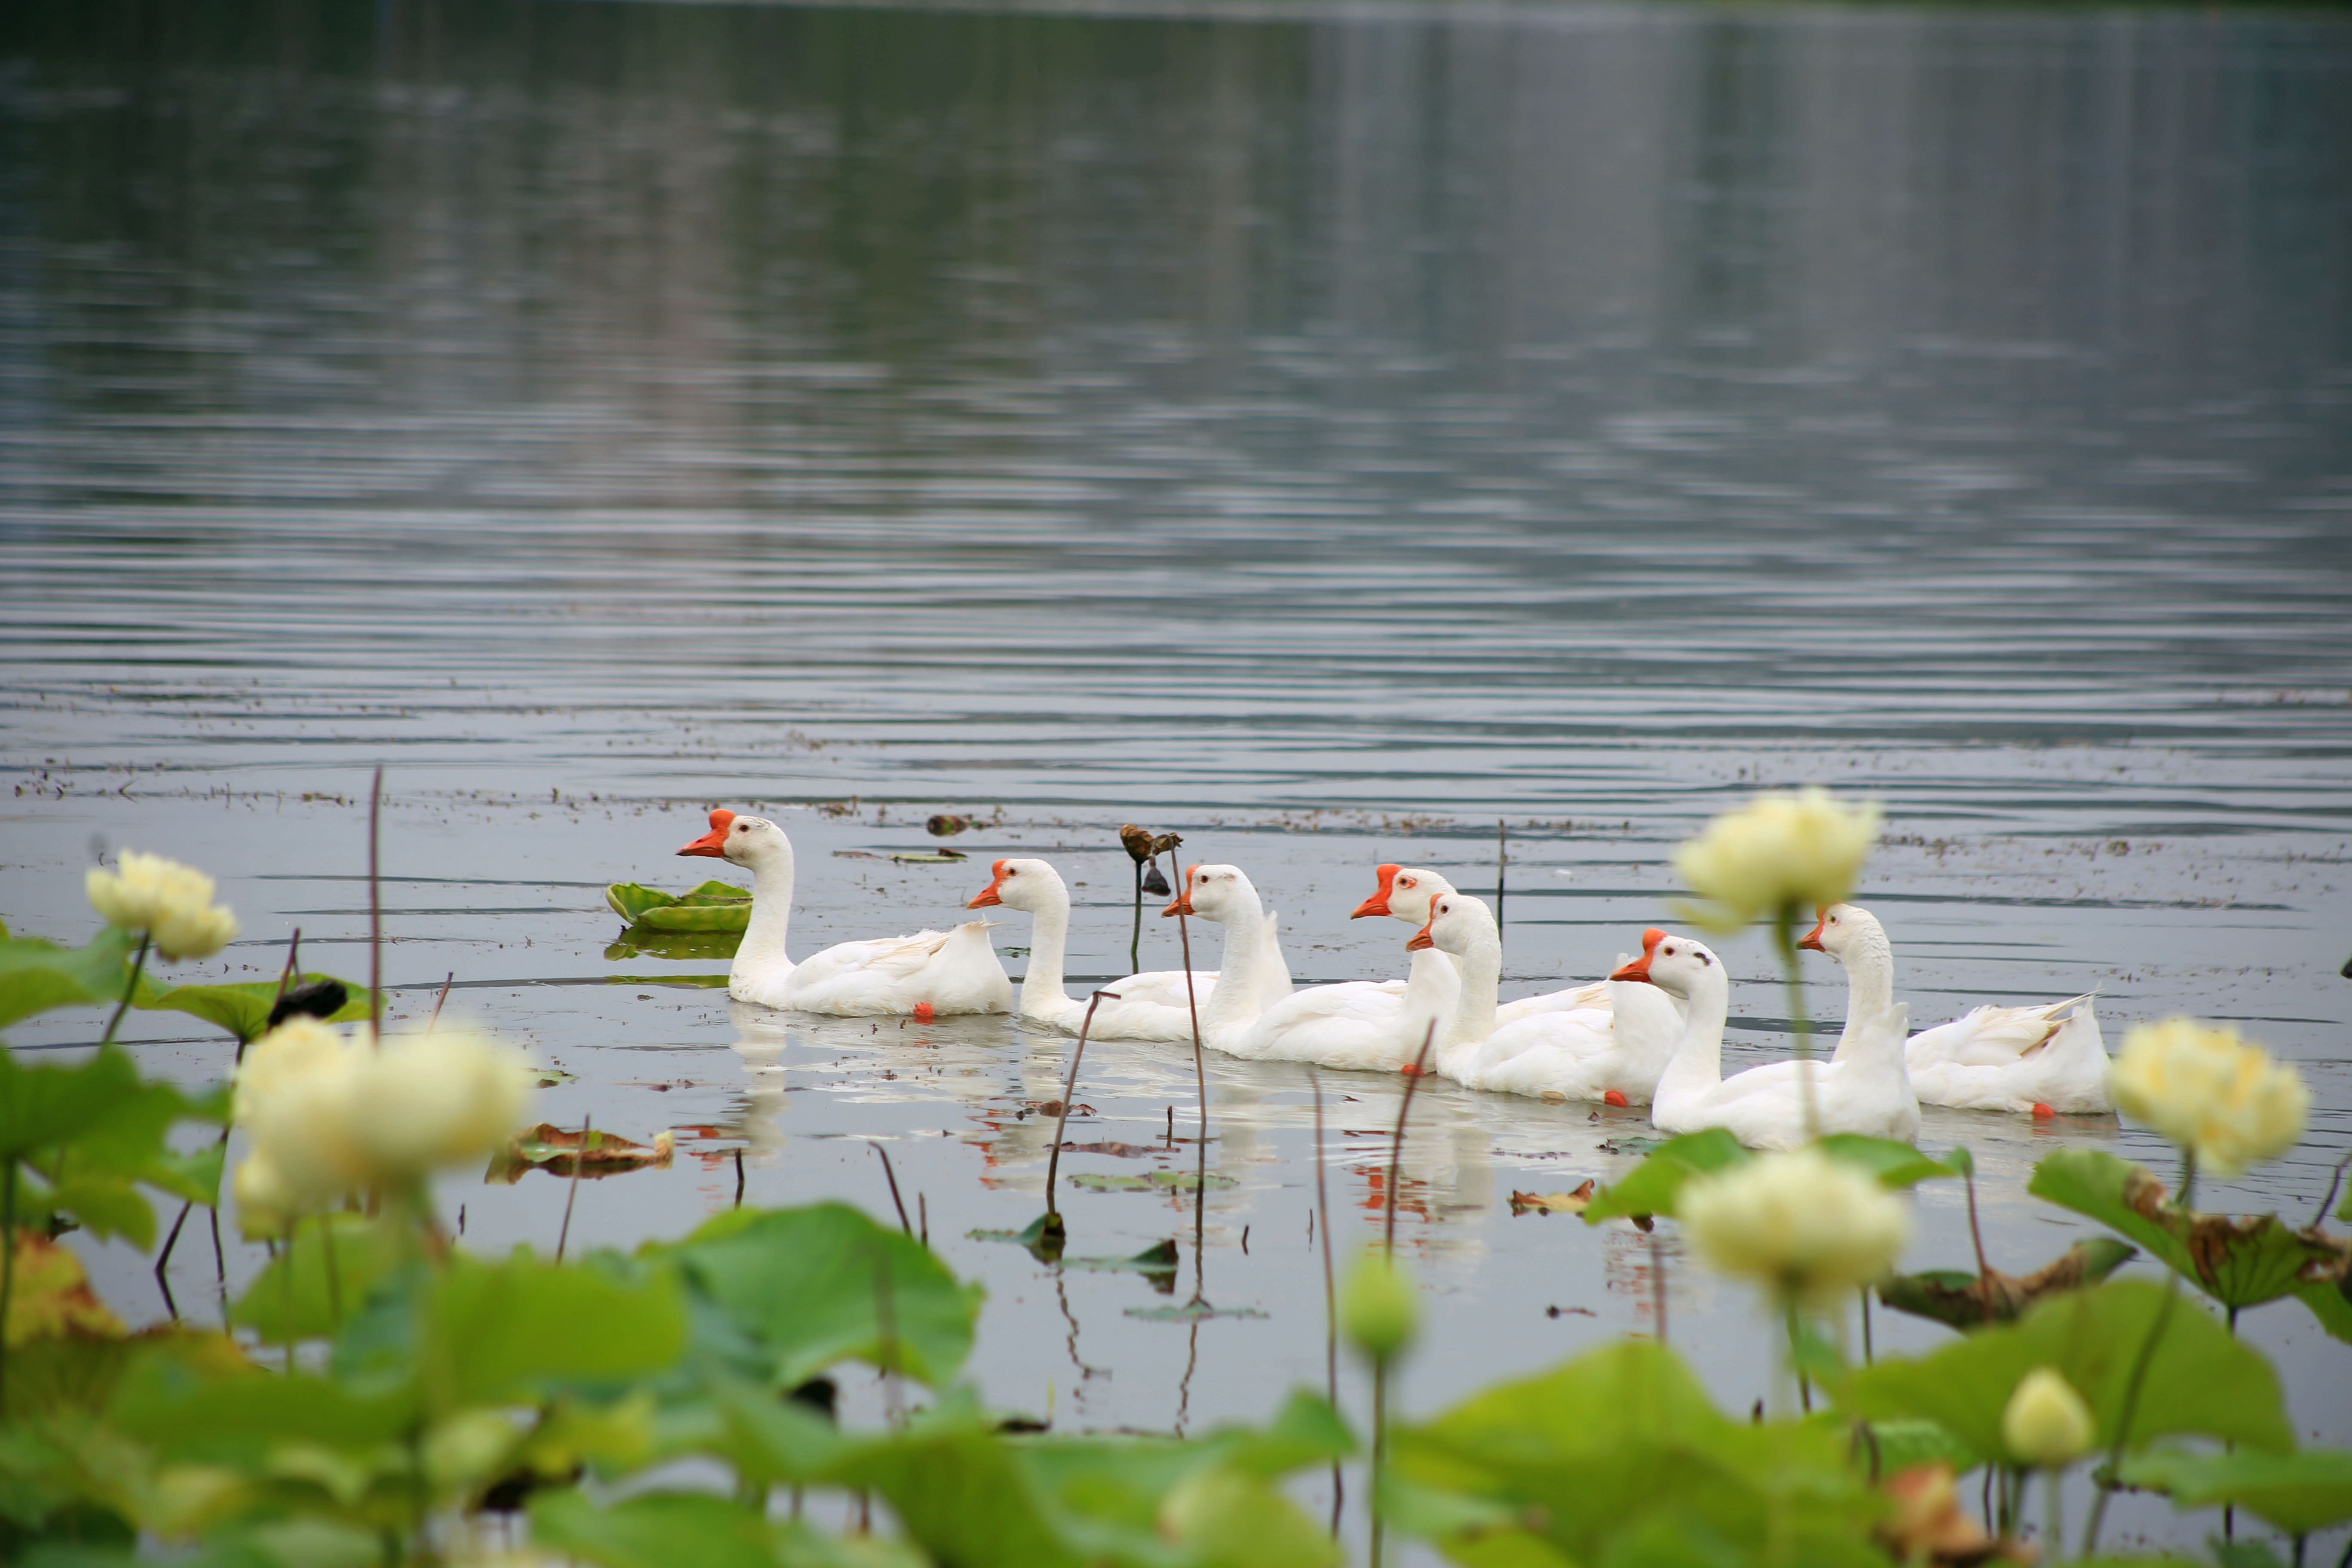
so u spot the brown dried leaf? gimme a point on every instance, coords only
(1930, 1526)
(558, 1150)
(1553, 1203)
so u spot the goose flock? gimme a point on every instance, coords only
(1650, 1033)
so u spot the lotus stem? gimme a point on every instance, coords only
(286, 1261)
(129, 989)
(375, 908)
(1869, 1355)
(2187, 1193)
(447, 981)
(1502, 862)
(2140, 1364)
(1396, 1148)
(2053, 1488)
(1805, 1384)
(1380, 1454)
(1321, 1220)
(8, 1271)
(164, 1260)
(1658, 1282)
(1135, 935)
(1976, 1234)
(2335, 1181)
(1784, 941)
(1192, 1002)
(334, 1271)
(885, 1316)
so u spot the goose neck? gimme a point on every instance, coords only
(1235, 1001)
(1481, 966)
(763, 949)
(1869, 987)
(1049, 936)
(1697, 1063)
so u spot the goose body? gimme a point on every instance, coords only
(1991, 1058)
(1586, 1053)
(927, 974)
(1374, 1025)
(1152, 1006)
(1406, 893)
(1865, 1089)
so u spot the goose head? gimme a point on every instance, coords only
(1457, 923)
(1214, 893)
(1674, 964)
(1027, 885)
(742, 840)
(1404, 892)
(1846, 931)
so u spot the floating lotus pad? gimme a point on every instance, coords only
(712, 907)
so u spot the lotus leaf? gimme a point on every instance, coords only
(242, 1008)
(36, 976)
(2200, 1379)
(2239, 1262)
(1957, 1299)
(806, 1286)
(2299, 1493)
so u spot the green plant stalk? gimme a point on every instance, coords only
(1380, 1454)
(8, 1271)
(289, 1325)
(2140, 1365)
(1784, 942)
(1330, 1293)
(2053, 1490)
(334, 1273)
(1805, 1384)
(130, 989)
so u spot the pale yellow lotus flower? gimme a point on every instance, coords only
(2211, 1091)
(1780, 852)
(441, 1097)
(299, 1103)
(299, 1046)
(1808, 1227)
(2046, 1422)
(171, 902)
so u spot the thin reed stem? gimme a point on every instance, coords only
(1069, 1094)
(891, 1176)
(1135, 936)
(1396, 1147)
(571, 1194)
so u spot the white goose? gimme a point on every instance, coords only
(1150, 1006)
(1370, 1025)
(1405, 892)
(1867, 1090)
(1587, 1053)
(925, 975)
(1223, 895)
(2040, 1060)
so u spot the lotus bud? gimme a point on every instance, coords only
(1379, 1309)
(1781, 851)
(2046, 1423)
(2215, 1094)
(266, 1205)
(1810, 1228)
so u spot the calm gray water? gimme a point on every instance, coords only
(1326, 432)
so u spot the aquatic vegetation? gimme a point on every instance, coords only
(2223, 1099)
(381, 1388)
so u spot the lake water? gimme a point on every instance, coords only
(1326, 432)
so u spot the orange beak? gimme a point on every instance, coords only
(1422, 940)
(1378, 904)
(1639, 968)
(1181, 904)
(1812, 940)
(987, 898)
(713, 843)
